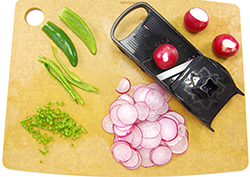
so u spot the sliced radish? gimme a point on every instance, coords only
(126, 97)
(123, 131)
(163, 109)
(151, 142)
(167, 96)
(117, 103)
(149, 129)
(156, 86)
(178, 116)
(134, 162)
(137, 137)
(114, 118)
(127, 114)
(144, 127)
(107, 124)
(122, 152)
(140, 93)
(196, 20)
(143, 110)
(153, 116)
(182, 129)
(169, 129)
(161, 155)
(145, 153)
(124, 86)
(154, 99)
(180, 147)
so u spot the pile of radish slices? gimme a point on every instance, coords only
(147, 132)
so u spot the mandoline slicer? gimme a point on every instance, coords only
(201, 85)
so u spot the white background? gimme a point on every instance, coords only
(6, 30)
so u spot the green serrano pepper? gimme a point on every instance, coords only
(61, 39)
(79, 27)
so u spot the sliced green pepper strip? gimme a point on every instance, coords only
(79, 27)
(60, 38)
(71, 74)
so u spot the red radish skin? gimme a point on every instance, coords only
(196, 20)
(145, 135)
(225, 45)
(165, 56)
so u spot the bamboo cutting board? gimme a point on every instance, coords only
(29, 86)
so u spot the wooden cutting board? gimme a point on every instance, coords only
(29, 86)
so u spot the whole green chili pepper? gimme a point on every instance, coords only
(60, 38)
(79, 27)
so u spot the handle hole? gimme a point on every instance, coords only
(34, 17)
(129, 23)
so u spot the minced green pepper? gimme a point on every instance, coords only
(79, 27)
(60, 38)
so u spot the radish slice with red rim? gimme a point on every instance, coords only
(161, 155)
(107, 124)
(126, 97)
(137, 137)
(154, 99)
(123, 132)
(180, 147)
(149, 129)
(121, 151)
(127, 114)
(114, 118)
(169, 129)
(124, 86)
(117, 103)
(134, 162)
(145, 153)
(163, 109)
(140, 93)
(156, 86)
(143, 110)
(151, 142)
(178, 116)
(153, 116)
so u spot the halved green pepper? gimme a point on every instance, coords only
(79, 27)
(60, 38)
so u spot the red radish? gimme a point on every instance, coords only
(161, 155)
(145, 128)
(196, 20)
(225, 45)
(107, 124)
(165, 56)
(124, 86)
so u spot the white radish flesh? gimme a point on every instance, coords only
(149, 129)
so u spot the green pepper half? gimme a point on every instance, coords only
(79, 27)
(60, 38)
